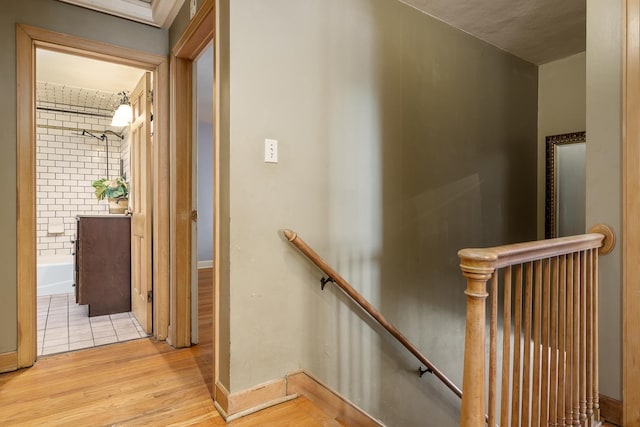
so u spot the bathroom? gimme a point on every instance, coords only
(76, 144)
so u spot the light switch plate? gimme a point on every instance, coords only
(270, 151)
(192, 8)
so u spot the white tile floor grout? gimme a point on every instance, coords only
(64, 325)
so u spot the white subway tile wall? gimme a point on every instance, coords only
(66, 164)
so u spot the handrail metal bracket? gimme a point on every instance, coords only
(324, 281)
(422, 371)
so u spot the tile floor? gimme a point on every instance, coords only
(64, 325)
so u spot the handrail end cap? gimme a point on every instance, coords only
(290, 235)
(475, 254)
(609, 241)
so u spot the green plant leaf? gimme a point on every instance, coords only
(115, 188)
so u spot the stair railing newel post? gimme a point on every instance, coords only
(477, 271)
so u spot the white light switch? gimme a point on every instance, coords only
(192, 9)
(270, 151)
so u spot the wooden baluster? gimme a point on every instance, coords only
(589, 321)
(537, 314)
(559, 386)
(583, 338)
(553, 380)
(526, 369)
(506, 348)
(546, 303)
(575, 336)
(569, 345)
(473, 403)
(493, 349)
(596, 368)
(562, 342)
(517, 347)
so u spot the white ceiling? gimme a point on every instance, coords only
(538, 31)
(53, 95)
(77, 71)
(67, 79)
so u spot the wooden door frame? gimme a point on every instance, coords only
(28, 38)
(196, 37)
(631, 217)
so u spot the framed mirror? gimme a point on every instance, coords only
(565, 185)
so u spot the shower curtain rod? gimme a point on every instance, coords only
(82, 113)
(79, 130)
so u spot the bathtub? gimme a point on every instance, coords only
(55, 275)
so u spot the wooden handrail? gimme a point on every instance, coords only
(518, 253)
(293, 238)
(558, 361)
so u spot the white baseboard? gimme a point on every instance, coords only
(205, 264)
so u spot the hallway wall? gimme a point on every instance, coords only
(401, 141)
(562, 91)
(65, 18)
(604, 180)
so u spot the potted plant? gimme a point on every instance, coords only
(116, 190)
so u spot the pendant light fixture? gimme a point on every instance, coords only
(123, 115)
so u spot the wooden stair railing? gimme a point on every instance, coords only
(334, 277)
(548, 374)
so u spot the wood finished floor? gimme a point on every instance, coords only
(143, 382)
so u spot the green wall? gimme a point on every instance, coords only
(180, 22)
(605, 20)
(401, 141)
(562, 91)
(64, 18)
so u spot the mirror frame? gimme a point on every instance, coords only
(551, 190)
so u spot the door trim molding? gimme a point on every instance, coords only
(631, 216)
(26, 203)
(181, 201)
(28, 38)
(195, 38)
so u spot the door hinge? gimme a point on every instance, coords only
(194, 216)
(149, 296)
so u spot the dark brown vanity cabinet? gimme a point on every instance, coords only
(103, 263)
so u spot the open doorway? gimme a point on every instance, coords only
(189, 53)
(83, 244)
(202, 195)
(153, 188)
